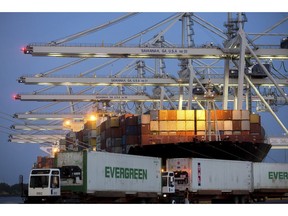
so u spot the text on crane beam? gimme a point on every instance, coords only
(164, 51)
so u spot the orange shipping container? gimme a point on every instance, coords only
(227, 114)
(190, 133)
(181, 133)
(172, 115)
(217, 115)
(163, 115)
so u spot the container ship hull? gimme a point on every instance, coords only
(227, 150)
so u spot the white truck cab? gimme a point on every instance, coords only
(44, 183)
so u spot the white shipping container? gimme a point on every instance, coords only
(236, 114)
(123, 173)
(245, 125)
(210, 174)
(114, 172)
(228, 125)
(270, 176)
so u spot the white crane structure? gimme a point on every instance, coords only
(242, 73)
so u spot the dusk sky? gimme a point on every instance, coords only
(20, 29)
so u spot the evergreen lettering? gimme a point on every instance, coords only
(125, 173)
(278, 175)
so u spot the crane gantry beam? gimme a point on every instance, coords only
(120, 98)
(38, 127)
(93, 51)
(116, 81)
(49, 116)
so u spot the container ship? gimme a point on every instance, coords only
(214, 134)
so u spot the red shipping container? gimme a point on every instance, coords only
(145, 129)
(236, 125)
(132, 140)
(181, 133)
(255, 128)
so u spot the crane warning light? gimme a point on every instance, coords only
(16, 97)
(26, 50)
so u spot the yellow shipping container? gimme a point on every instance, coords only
(163, 115)
(163, 125)
(201, 115)
(172, 125)
(190, 115)
(181, 126)
(181, 115)
(190, 125)
(255, 118)
(154, 125)
(200, 125)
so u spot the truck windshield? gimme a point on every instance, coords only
(39, 181)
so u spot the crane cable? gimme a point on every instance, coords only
(86, 32)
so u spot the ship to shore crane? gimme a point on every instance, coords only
(238, 49)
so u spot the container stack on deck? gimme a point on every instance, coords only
(118, 134)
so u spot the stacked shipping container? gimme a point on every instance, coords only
(118, 134)
(176, 126)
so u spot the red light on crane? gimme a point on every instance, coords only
(16, 97)
(26, 50)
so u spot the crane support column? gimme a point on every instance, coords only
(241, 70)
